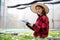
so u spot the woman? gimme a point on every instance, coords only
(41, 27)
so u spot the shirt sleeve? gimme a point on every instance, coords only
(36, 28)
(45, 22)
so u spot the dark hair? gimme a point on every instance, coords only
(43, 12)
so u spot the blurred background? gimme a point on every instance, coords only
(10, 18)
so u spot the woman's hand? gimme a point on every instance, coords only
(30, 25)
(27, 23)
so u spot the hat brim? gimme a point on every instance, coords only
(43, 5)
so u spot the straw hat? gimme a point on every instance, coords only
(44, 6)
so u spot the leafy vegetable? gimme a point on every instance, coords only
(26, 36)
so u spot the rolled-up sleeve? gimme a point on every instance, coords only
(35, 28)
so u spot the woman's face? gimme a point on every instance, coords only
(39, 10)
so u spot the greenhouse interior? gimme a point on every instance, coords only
(12, 27)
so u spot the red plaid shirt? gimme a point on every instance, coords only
(41, 27)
